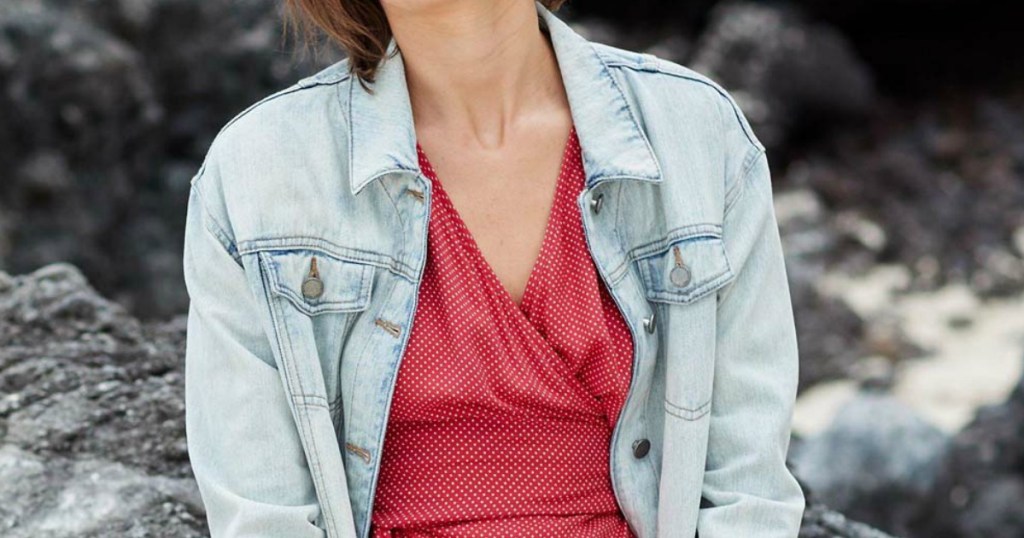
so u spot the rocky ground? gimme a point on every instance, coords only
(92, 439)
(897, 151)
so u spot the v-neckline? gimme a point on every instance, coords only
(523, 303)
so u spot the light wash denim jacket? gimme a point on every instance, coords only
(289, 380)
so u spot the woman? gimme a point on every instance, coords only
(485, 277)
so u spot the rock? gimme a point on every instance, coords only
(979, 491)
(822, 522)
(108, 108)
(57, 496)
(833, 338)
(76, 102)
(783, 69)
(875, 452)
(92, 439)
(831, 335)
(939, 179)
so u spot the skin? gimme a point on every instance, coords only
(491, 113)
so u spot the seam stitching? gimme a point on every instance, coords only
(290, 374)
(214, 228)
(740, 184)
(686, 413)
(685, 232)
(298, 242)
(659, 69)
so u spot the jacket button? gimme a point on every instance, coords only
(312, 287)
(680, 276)
(596, 201)
(641, 447)
(649, 323)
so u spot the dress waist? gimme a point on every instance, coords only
(518, 467)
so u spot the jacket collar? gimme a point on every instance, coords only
(382, 137)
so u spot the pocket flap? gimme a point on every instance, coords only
(684, 269)
(331, 284)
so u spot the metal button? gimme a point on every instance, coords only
(641, 447)
(393, 328)
(680, 275)
(312, 286)
(649, 323)
(358, 450)
(596, 201)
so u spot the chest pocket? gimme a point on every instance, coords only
(676, 273)
(319, 297)
(317, 283)
(684, 269)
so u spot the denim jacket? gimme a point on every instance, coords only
(290, 367)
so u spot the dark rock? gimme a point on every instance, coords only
(77, 110)
(823, 522)
(943, 179)
(807, 241)
(783, 69)
(980, 487)
(107, 110)
(832, 337)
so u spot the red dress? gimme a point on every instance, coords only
(501, 419)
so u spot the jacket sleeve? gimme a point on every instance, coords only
(746, 481)
(242, 441)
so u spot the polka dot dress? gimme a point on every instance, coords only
(501, 420)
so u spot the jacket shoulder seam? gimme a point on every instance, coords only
(298, 86)
(739, 186)
(214, 228)
(320, 79)
(649, 63)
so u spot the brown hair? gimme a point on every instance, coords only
(359, 27)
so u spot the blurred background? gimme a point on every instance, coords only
(895, 132)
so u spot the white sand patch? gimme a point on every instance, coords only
(975, 349)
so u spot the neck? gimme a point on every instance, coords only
(481, 69)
